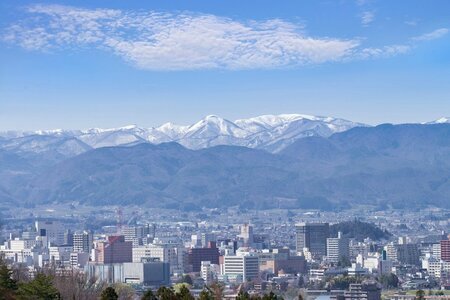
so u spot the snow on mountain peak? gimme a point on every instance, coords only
(269, 132)
(213, 125)
(442, 120)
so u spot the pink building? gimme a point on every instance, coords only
(115, 250)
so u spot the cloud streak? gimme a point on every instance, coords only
(184, 41)
(436, 34)
(367, 17)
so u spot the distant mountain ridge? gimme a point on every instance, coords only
(268, 132)
(403, 166)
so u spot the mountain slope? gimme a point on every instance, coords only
(404, 166)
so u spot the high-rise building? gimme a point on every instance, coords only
(404, 253)
(115, 250)
(445, 250)
(408, 254)
(247, 234)
(246, 266)
(82, 242)
(197, 255)
(68, 237)
(314, 237)
(337, 248)
(391, 251)
(51, 231)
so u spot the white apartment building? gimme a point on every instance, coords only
(337, 248)
(436, 267)
(82, 242)
(246, 266)
(18, 244)
(209, 272)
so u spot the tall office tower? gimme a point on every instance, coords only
(408, 254)
(391, 251)
(314, 237)
(68, 237)
(115, 250)
(82, 242)
(51, 230)
(445, 250)
(337, 248)
(247, 234)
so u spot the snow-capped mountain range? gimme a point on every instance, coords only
(269, 132)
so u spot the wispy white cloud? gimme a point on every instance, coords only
(383, 52)
(367, 17)
(152, 40)
(183, 41)
(411, 22)
(362, 2)
(435, 34)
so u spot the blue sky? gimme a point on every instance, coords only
(81, 64)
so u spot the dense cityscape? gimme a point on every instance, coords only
(287, 254)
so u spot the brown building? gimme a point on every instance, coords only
(445, 250)
(115, 250)
(280, 260)
(197, 255)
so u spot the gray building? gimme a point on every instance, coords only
(337, 248)
(149, 272)
(314, 237)
(82, 242)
